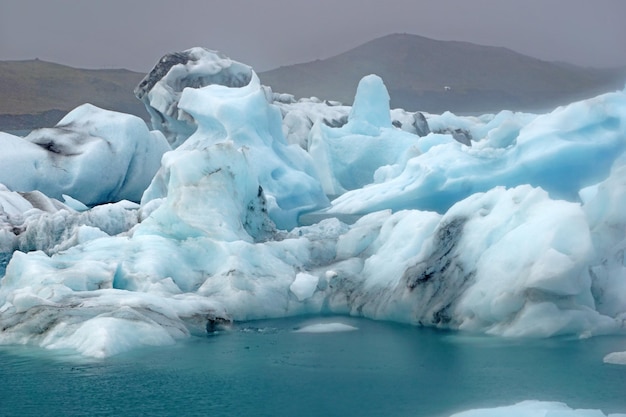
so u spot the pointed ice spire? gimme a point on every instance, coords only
(371, 105)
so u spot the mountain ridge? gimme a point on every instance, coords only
(417, 71)
(35, 92)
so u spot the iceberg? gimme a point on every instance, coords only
(508, 224)
(93, 155)
(616, 358)
(533, 408)
(347, 157)
(562, 152)
(326, 328)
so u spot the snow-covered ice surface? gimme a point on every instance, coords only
(533, 408)
(509, 224)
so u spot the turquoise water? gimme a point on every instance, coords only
(265, 369)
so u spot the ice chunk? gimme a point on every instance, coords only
(533, 408)
(326, 328)
(93, 155)
(183, 262)
(304, 286)
(73, 203)
(105, 336)
(607, 221)
(617, 358)
(208, 194)
(584, 137)
(347, 157)
(370, 109)
(510, 250)
(162, 88)
(241, 116)
(300, 116)
(31, 221)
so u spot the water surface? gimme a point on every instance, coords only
(264, 368)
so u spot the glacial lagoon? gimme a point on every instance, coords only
(267, 368)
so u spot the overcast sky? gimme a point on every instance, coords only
(134, 34)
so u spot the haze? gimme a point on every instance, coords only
(271, 33)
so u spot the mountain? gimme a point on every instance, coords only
(37, 93)
(431, 75)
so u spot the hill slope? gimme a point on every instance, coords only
(417, 71)
(32, 90)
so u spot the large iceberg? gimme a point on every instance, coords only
(507, 224)
(93, 155)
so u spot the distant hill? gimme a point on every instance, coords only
(420, 74)
(431, 75)
(36, 93)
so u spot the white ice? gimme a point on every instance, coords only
(92, 155)
(241, 115)
(509, 224)
(616, 358)
(333, 327)
(533, 408)
(562, 152)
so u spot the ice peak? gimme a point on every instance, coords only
(371, 104)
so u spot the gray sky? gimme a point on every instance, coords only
(134, 34)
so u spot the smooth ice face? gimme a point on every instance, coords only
(616, 358)
(370, 109)
(92, 155)
(347, 157)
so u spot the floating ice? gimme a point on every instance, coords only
(533, 408)
(326, 328)
(31, 221)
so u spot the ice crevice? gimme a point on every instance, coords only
(509, 224)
